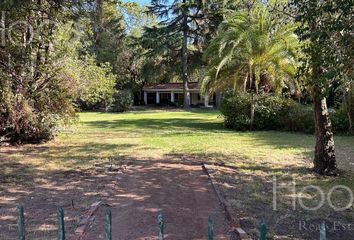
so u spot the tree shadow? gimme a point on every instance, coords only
(142, 124)
(134, 190)
(249, 189)
(76, 154)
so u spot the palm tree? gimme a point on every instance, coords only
(252, 51)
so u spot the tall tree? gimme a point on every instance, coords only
(108, 31)
(326, 28)
(131, 58)
(182, 31)
(33, 96)
(252, 50)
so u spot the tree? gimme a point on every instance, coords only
(252, 51)
(33, 96)
(182, 32)
(41, 69)
(131, 58)
(348, 103)
(108, 31)
(326, 28)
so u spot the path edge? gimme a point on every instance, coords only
(87, 219)
(234, 222)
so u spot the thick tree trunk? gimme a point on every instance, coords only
(325, 159)
(187, 101)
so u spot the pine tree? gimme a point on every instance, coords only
(181, 34)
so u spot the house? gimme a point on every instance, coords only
(165, 93)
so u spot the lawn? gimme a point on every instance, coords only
(99, 139)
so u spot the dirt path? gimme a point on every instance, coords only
(183, 192)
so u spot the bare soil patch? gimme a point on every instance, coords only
(251, 197)
(136, 192)
(182, 192)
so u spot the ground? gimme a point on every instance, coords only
(73, 171)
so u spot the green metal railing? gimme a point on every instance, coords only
(21, 223)
(263, 231)
(108, 229)
(108, 226)
(161, 226)
(210, 228)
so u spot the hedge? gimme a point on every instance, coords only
(274, 113)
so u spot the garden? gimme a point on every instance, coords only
(225, 119)
(75, 166)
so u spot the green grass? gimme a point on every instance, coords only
(195, 136)
(159, 134)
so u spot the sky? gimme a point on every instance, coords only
(141, 2)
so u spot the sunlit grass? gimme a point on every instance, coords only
(195, 136)
(160, 134)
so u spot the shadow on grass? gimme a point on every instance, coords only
(42, 191)
(195, 126)
(159, 124)
(79, 154)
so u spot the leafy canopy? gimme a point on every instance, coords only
(252, 50)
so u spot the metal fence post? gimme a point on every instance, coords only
(263, 231)
(61, 226)
(210, 228)
(21, 223)
(161, 226)
(323, 231)
(108, 228)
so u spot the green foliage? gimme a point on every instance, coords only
(340, 120)
(267, 112)
(193, 19)
(296, 117)
(348, 105)
(326, 28)
(92, 84)
(237, 111)
(253, 50)
(274, 113)
(121, 101)
(136, 18)
(34, 97)
(108, 32)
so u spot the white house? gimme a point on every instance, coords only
(164, 93)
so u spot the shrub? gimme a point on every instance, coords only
(31, 116)
(274, 113)
(236, 111)
(267, 112)
(340, 120)
(122, 101)
(296, 117)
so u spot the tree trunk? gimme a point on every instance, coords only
(98, 26)
(325, 159)
(186, 104)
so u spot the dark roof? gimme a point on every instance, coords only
(171, 86)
